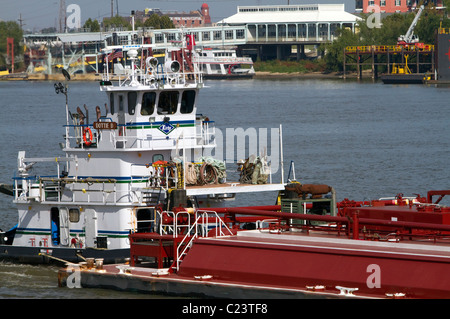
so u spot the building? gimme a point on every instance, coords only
(272, 30)
(391, 6)
(300, 22)
(193, 19)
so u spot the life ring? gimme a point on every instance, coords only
(87, 141)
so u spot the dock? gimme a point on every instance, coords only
(383, 58)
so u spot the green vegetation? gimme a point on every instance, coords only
(302, 66)
(93, 25)
(10, 29)
(154, 21)
(392, 27)
(158, 22)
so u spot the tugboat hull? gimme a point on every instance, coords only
(43, 255)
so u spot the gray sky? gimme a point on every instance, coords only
(37, 14)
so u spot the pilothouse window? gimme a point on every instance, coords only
(132, 98)
(111, 102)
(187, 102)
(168, 101)
(148, 103)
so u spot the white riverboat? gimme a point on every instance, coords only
(144, 153)
(223, 64)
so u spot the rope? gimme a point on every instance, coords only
(253, 171)
(191, 174)
(208, 174)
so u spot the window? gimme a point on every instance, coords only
(120, 103)
(398, 3)
(187, 102)
(228, 34)
(382, 3)
(111, 102)
(132, 98)
(217, 35)
(157, 157)
(168, 102)
(148, 103)
(159, 38)
(205, 35)
(74, 215)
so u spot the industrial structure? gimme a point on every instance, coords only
(390, 59)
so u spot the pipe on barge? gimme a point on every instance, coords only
(332, 219)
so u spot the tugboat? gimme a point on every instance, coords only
(145, 151)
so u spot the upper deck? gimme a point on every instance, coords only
(150, 106)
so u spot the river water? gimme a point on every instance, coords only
(367, 140)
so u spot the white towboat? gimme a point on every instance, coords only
(223, 64)
(120, 172)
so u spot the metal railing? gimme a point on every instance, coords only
(385, 48)
(119, 139)
(204, 220)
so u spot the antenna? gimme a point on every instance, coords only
(62, 16)
(21, 21)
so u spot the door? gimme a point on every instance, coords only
(91, 227)
(64, 226)
(59, 220)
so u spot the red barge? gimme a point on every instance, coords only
(309, 246)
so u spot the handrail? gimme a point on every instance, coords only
(203, 134)
(203, 217)
(385, 48)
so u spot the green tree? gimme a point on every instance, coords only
(10, 29)
(429, 22)
(166, 23)
(159, 22)
(334, 52)
(93, 25)
(116, 22)
(153, 21)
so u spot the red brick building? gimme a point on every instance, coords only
(390, 6)
(195, 18)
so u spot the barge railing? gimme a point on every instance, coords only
(178, 230)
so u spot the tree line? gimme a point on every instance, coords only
(154, 21)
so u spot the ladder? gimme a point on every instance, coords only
(203, 221)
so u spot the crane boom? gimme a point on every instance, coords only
(409, 36)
